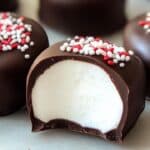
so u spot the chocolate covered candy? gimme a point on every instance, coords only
(8, 5)
(21, 41)
(87, 85)
(137, 38)
(92, 17)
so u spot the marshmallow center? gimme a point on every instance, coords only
(80, 92)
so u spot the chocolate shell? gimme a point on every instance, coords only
(77, 89)
(137, 38)
(8, 5)
(84, 17)
(21, 41)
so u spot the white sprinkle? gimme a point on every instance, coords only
(62, 48)
(31, 43)
(27, 39)
(18, 47)
(103, 53)
(146, 26)
(72, 42)
(75, 50)
(131, 52)
(121, 49)
(115, 61)
(69, 39)
(65, 44)
(148, 31)
(22, 49)
(23, 35)
(123, 57)
(29, 29)
(86, 52)
(68, 49)
(4, 48)
(98, 52)
(118, 57)
(90, 38)
(148, 14)
(104, 45)
(26, 46)
(100, 43)
(19, 40)
(122, 65)
(81, 52)
(9, 47)
(14, 36)
(13, 41)
(26, 56)
(5, 36)
(148, 18)
(81, 40)
(91, 52)
(76, 37)
(109, 54)
(127, 58)
(13, 32)
(94, 43)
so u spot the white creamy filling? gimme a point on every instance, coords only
(80, 92)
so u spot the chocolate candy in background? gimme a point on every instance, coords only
(8, 5)
(86, 85)
(21, 41)
(137, 38)
(84, 17)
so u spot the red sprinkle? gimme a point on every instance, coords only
(106, 58)
(23, 41)
(110, 62)
(77, 46)
(27, 33)
(143, 23)
(14, 45)
(111, 49)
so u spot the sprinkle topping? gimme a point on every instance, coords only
(110, 53)
(145, 23)
(14, 34)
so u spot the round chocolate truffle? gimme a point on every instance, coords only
(8, 5)
(74, 84)
(137, 38)
(84, 17)
(21, 41)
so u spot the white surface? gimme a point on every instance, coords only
(76, 91)
(15, 130)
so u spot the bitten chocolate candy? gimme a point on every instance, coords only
(8, 5)
(137, 38)
(21, 41)
(88, 17)
(86, 85)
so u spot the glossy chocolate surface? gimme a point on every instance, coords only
(14, 68)
(8, 5)
(86, 17)
(136, 38)
(130, 87)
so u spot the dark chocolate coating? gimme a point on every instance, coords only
(135, 38)
(8, 5)
(130, 86)
(14, 68)
(84, 17)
